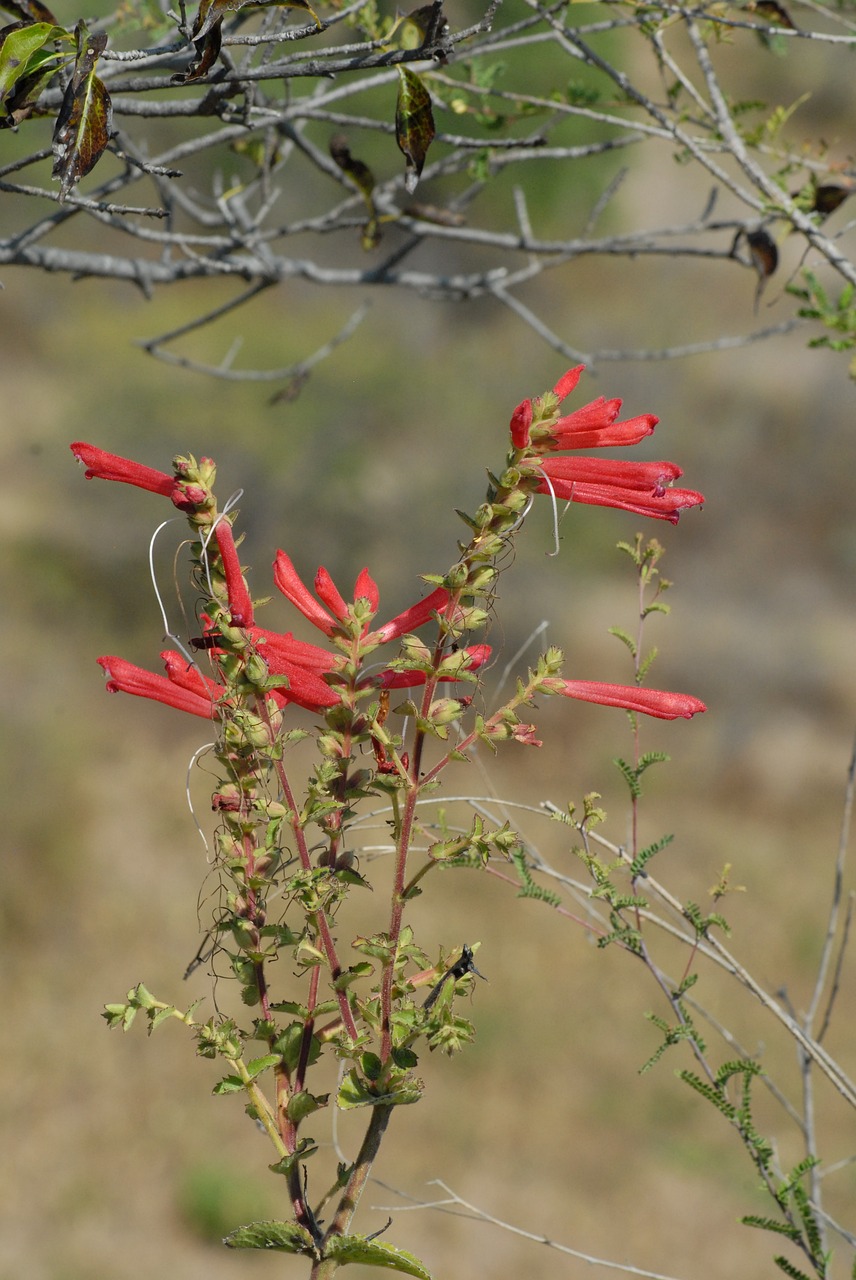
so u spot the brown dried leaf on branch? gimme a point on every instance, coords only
(85, 121)
(206, 33)
(414, 125)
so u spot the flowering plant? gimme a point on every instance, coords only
(287, 852)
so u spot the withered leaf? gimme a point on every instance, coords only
(774, 13)
(206, 33)
(357, 170)
(291, 390)
(30, 10)
(765, 258)
(214, 11)
(763, 252)
(207, 52)
(414, 125)
(828, 196)
(425, 27)
(363, 178)
(85, 118)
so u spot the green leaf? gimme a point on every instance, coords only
(285, 1237)
(789, 1269)
(627, 640)
(644, 856)
(356, 1092)
(229, 1084)
(119, 1015)
(157, 1016)
(289, 1045)
(405, 1058)
(29, 88)
(710, 1092)
(414, 125)
(530, 889)
(85, 119)
(258, 1065)
(20, 47)
(373, 1253)
(770, 1224)
(303, 1104)
(306, 1147)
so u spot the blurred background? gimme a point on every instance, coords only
(119, 1163)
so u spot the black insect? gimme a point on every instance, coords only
(462, 966)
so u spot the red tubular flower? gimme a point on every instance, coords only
(333, 608)
(110, 466)
(652, 702)
(305, 666)
(293, 588)
(240, 604)
(183, 687)
(642, 487)
(536, 429)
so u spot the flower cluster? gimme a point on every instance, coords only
(304, 668)
(296, 671)
(642, 487)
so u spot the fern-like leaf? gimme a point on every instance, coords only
(809, 1221)
(790, 1270)
(799, 1171)
(648, 661)
(770, 1224)
(644, 856)
(627, 640)
(630, 776)
(529, 888)
(740, 1066)
(710, 1092)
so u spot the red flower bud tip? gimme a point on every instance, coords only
(651, 702)
(521, 421)
(568, 383)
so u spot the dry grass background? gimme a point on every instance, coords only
(118, 1163)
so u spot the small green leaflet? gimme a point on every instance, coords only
(289, 1237)
(372, 1253)
(85, 119)
(285, 1237)
(414, 125)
